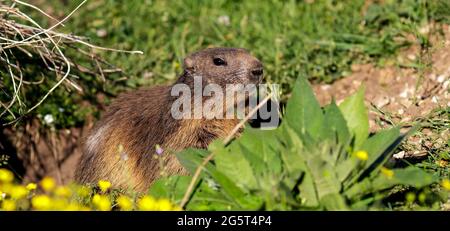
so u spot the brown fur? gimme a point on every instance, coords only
(139, 120)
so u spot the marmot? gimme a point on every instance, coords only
(121, 146)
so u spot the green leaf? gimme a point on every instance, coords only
(206, 197)
(324, 176)
(346, 169)
(414, 177)
(290, 149)
(355, 113)
(358, 189)
(172, 187)
(378, 144)
(334, 202)
(191, 158)
(261, 149)
(303, 112)
(410, 176)
(245, 201)
(295, 165)
(203, 197)
(379, 147)
(231, 162)
(335, 124)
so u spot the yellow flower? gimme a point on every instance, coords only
(164, 205)
(443, 163)
(177, 208)
(18, 192)
(147, 203)
(104, 185)
(31, 186)
(6, 176)
(59, 204)
(387, 172)
(63, 191)
(446, 184)
(101, 202)
(41, 202)
(7, 188)
(74, 207)
(124, 203)
(9, 205)
(48, 184)
(83, 191)
(362, 155)
(83, 208)
(176, 64)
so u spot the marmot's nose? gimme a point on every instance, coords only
(257, 72)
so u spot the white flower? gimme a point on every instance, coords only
(48, 119)
(224, 20)
(102, 33)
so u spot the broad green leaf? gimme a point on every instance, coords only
(324, 176)
(307, 190)
(303, 112)
(346, 169)
(379, 143)
(379, 147)
(260, 148)
(231, 162)
(208, 198)
(334, 202)
(358, 189)
(335, 124)
(245, 201)
(362, 205)
(410, 176)
(414, 177)
(291, 147)
(204, 197)
(298, 173)
(172, 187)
(369, 185)
(355, 113)
(191, 158)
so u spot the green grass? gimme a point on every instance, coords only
(320, 40)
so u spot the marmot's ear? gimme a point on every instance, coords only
(189, 64)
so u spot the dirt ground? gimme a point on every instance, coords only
(394, 94)
(400, 93)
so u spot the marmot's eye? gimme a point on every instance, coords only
(219, 62)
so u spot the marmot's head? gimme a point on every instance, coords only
(223, 66)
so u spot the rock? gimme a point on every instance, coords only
(399, 155)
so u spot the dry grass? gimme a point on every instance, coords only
(21, 35)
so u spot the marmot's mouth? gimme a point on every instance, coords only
(256, 75)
